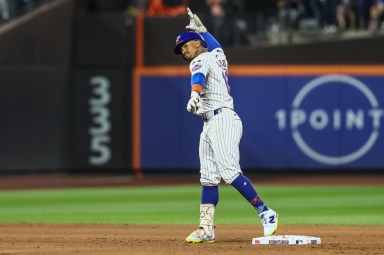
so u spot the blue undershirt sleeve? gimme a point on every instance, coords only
(212, 43)
(198, 78)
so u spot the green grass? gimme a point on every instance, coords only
(325, 205)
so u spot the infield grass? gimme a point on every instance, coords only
(325, 205)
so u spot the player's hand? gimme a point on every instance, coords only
(193, 101)
(195, 23)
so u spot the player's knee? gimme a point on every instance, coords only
(230, 178)
(205, 181)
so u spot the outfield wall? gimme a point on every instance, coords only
(35, 55)
(294, 117)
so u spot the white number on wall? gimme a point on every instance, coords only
(101, 125)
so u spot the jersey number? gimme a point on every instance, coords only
(225, 77)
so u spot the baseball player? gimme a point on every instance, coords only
(222, 131)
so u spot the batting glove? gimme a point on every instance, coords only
(195, 23)
(193, 101)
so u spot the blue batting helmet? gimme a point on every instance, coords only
(185, 37)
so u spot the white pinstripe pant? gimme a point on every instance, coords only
(219, 148)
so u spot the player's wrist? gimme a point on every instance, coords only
(197, 87)
(195, 93)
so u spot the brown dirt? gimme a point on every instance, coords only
(169, 239)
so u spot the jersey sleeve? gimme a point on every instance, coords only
(211, 41)
(199, 69)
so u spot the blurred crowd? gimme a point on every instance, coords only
(332, 15)
(13, 8)
(238, 22)
(233, 21)
(305, 19)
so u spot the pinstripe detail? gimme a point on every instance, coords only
(220, 138)
(215, 94)
(219, 148)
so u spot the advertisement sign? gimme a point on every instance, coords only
(325, 121)
(321, 120)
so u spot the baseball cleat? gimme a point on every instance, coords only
(199, 236)
(270, 220)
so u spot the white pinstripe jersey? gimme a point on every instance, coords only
(214, 66)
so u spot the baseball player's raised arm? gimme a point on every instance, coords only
(196, 25)
(211, 41)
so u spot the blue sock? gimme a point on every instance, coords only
(210, 195)
(245, 187)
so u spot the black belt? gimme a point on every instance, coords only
(206, 116)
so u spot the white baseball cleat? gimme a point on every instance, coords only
(199, 236)
(270, 220)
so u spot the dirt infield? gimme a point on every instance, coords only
(169, 239)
